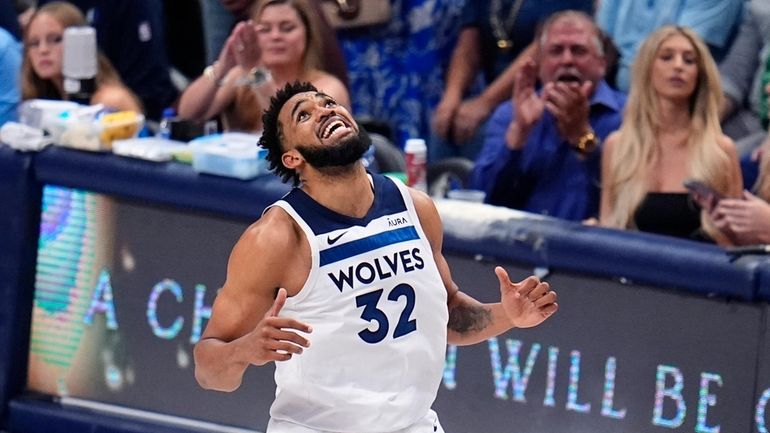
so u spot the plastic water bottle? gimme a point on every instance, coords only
(79, 63)
(416, 163)
(164, 129)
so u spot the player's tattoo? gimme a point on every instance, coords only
(464, 318)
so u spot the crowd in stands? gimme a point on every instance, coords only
(539, 150)
(595, 111)
(41, 71)
(741, 71)
(493, 35)
(280, 44)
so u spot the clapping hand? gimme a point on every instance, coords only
(569, 104)
(241, 48)
(528, 105)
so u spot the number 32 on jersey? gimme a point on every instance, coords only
(371, 313)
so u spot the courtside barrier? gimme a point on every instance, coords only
(654, 334)
(19, 214)
(548, 242)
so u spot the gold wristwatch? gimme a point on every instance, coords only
(587, 142)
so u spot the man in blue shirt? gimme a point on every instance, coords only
(493, 33)
(542, 149)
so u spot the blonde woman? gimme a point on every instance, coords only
(41, 71)
(670, 133)
(280, 45)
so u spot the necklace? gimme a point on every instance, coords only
(499, 28)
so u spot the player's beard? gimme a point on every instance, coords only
(344, 154)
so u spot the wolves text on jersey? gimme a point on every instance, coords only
(380, 268)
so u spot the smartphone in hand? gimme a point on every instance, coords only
(704, 194)
(702, 189)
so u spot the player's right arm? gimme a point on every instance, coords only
(244, 327)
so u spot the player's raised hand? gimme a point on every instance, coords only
(274, 338)
(527, 303)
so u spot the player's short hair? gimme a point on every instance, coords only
(272, 130)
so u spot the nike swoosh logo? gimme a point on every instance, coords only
(333, 240)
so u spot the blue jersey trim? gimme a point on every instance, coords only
(364, 245)
(387, 201)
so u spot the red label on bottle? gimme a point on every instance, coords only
(416, 171)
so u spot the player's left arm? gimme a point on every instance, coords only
(522, 305)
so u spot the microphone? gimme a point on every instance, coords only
(79, 66)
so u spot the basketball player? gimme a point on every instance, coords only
(343, 285)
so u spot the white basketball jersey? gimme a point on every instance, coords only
(379, 314)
